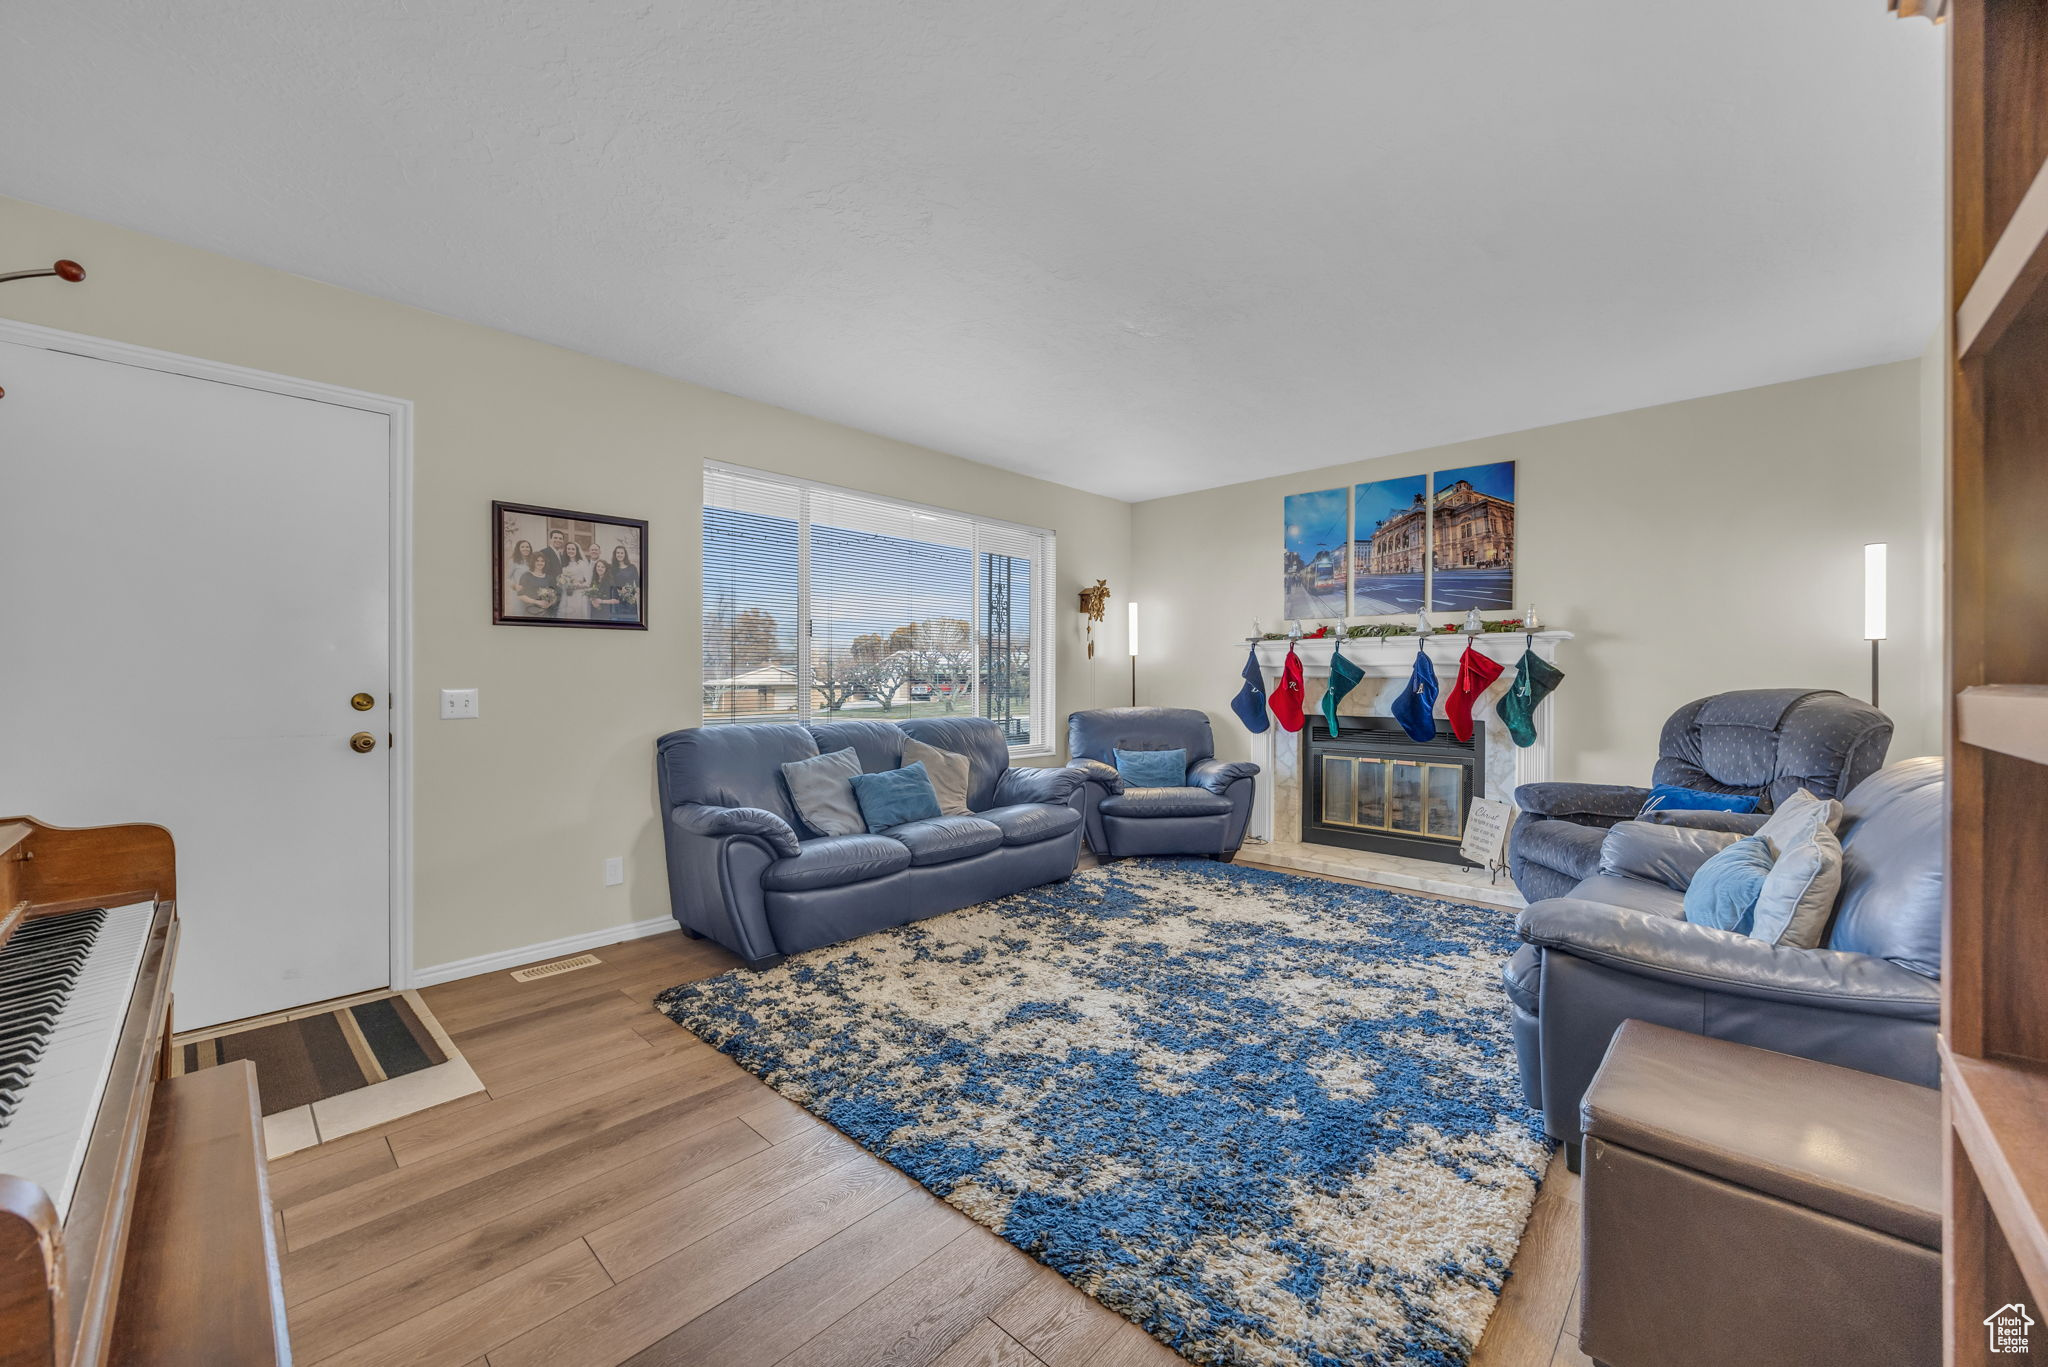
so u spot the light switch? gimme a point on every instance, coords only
(458, 704)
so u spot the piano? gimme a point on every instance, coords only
(135, 1222)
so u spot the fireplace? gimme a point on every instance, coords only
(1371, 787)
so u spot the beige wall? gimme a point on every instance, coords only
(570, 716)
(1693, 547)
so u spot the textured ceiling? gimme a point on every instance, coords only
(1138, 246)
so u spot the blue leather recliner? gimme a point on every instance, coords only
(744, 870)
(1206, 817)
(1765, 743)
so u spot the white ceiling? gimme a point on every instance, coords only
(1137, 246)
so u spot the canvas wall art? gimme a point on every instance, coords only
(1390, 546)
(1472, 515)
(1316, 560)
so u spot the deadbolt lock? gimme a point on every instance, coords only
(362, 702)
(362, 742)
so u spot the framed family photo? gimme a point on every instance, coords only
(554, 568)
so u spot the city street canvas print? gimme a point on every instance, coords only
(1316, 560)
(1473, 516)
(1389, 546)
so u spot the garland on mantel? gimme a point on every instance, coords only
(1387, 630)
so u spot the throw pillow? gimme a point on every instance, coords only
(895, 797)
(1672, 797)
(1799, 894)
(948, 773)
(821, 790)
(1724, 893)
(1152, 768)
(1796, 818)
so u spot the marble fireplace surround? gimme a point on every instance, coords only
(1276, 809)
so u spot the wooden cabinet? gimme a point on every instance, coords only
(1995, 983)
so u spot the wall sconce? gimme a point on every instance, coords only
(1094, 608)
(1874, 605)
(70, 272)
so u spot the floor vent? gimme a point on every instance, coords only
(527, 975)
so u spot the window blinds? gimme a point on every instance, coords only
(822, 602)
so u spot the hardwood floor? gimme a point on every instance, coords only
(621, 1193)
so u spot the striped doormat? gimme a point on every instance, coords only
(329, 1070)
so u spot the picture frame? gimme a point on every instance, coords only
(543, 573)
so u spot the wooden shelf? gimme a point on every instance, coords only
(2009, 718)
(1998, 1108)
(2011, 276)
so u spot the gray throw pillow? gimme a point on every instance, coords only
(821, 789)
(947, 771)
(1799, 892)
(1796, 817)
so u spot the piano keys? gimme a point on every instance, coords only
(118, 1185)
(60, 1024)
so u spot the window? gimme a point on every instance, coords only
(824, 603)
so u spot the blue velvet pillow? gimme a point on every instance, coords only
(1152, 768)
(896, 796)
(1724, 893)
(1669, 797)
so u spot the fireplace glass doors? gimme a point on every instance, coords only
(1410, 797)
(1371, 787)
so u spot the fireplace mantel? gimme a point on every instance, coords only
(1385, 661)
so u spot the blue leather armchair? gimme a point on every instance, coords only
(1619, 948)
(1766, 743)
(1207, 816)
(744, 869)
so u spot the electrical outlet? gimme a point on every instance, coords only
(458, 704)
(614, 871)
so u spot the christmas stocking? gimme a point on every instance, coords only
(1250, 702)
(1476, 674)
(1344, 677)
(1415, 709)
(1535, 678)
(1287, 701)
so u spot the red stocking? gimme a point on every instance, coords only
(1287, 697)
(1475, 673)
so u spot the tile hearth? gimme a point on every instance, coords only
(1387, 870)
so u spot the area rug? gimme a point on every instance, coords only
(341, 1066)
(1272, 1119)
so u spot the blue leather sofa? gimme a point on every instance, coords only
(1619, 948)
(1765, 743)
(1207, 816)
(744, 870)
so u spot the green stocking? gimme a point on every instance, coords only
(1535, 679)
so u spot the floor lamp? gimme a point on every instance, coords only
(1131, 637)
(1873, 606)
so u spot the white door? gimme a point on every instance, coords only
(194, 583)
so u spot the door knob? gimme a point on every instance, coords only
(362, 742)
(362, 702)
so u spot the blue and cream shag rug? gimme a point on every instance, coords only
(1272, 1119)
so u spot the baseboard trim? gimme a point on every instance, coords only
(549, 949)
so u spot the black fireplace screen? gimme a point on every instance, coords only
(1372, 787)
